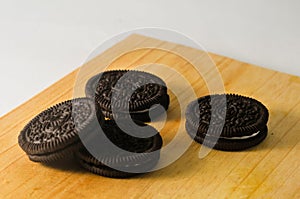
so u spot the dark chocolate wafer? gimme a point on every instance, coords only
(53, 134)
(142, 157)
(241, 120)
(120, 93)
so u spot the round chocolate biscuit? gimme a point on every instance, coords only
(120, 93)
(53, 134)
(90, 163)
(241, 120)
(144, 152)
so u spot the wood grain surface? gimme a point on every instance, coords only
(269, 170)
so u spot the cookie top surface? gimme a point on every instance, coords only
(57, 127)
(126, 89)
(244, 115)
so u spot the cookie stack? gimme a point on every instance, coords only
(105, 130)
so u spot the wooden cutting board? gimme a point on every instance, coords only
(269, 170)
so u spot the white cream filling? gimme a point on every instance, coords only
(241, 138)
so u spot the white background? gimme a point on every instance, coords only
(41, 41)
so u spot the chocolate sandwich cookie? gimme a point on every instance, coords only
(53, 134)
(241, 120)
(119, 93)
(132, 155)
